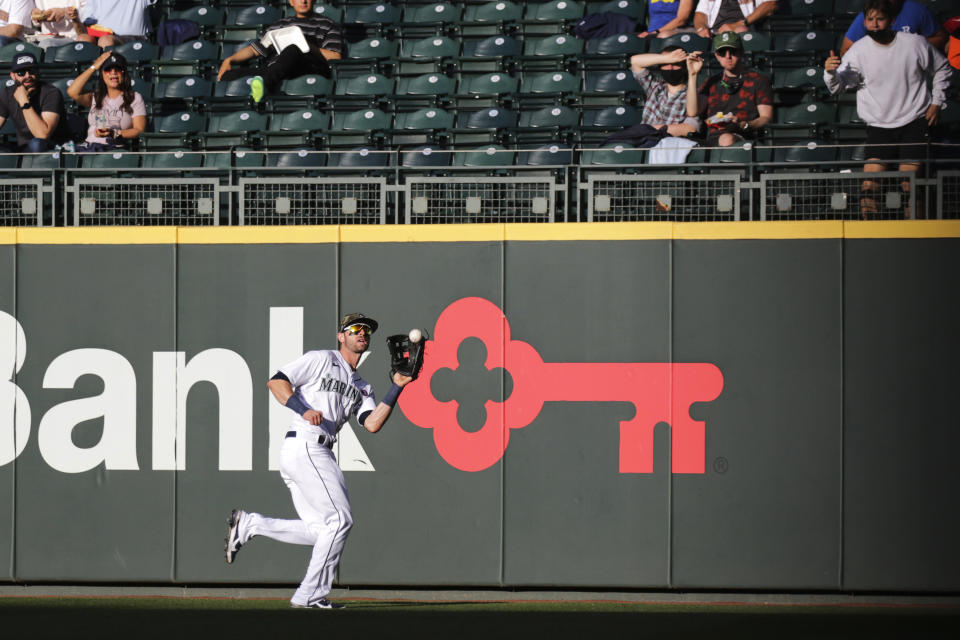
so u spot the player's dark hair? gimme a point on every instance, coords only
(883, 7)
(100, 91)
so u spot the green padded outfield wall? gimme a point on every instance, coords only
(655, 406)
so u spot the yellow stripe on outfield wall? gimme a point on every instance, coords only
(514, 232)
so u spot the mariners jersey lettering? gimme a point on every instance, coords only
(329, 385)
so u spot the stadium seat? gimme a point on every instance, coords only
(808, 77)
(372, 55)
(425, 90)
(552, 52)
(606, 120)
(422, 20)
(233, 129)
(188, 87)
(116, 160)
(548, 85)
(174, 131)
(805, 41)
(297, 128)
(424, 126)
(48, 160)
(377, 18)
(686, 41)
(431, 54)
(810, 151)
(252, 16)
(331, 11)
(306, 91)
(633, 8)
(371, 84)
(491, 155)
(491, 18)
(495, 53)
(194, 57)
(493, 124)
(618, 153)
(203, 16)
(487, 90)
(360, 127)
(551, 17)
(173, 159)
(611, 87)
(754, 41)
(549, 124)
(77, 54)
(361, 157)
(426, 156)
(547, 155)
(240, 157)
(304, 158)
(612, 52)
(138, 54)
(9, 51)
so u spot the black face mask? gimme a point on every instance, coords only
(882, 36)
(674, 76)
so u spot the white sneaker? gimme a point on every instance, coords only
(319, 604)
(232, 547)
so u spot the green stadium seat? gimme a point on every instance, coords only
(115, 160)
(619, 153)
(631, 8)
(253, 16)
(11, 50)
(686, 41)
(426, 156)
(234, 129)
(304, 158)
(491, 155)
(424, 126)
(176, 130)
(359, 127)
(177, 159)
(494, 53)
(297, 128)
(425, 90)
(491, 18)
(240, 157)
(203, 16)
(610, 88)
(361, 157)
(546, 155)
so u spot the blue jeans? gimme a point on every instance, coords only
(37, 145)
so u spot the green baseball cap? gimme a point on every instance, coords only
(730, 39)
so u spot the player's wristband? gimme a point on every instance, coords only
(391, 396)
(294, 402)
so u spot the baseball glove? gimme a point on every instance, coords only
(406, 357)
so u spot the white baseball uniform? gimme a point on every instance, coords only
(326, 383)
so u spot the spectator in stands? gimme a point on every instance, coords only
(901, 82)
(716, 16)
(56, 24)
(909, 16)
(14, 20)
(952, 26)
(117, 112)
(738, 100)
(324, 41)
(35, 107)
(667, 17)
(666, 103)
(114, 22)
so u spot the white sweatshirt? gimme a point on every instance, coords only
(891, 79)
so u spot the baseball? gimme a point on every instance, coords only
(415, 335)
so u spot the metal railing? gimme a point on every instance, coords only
(226, 188)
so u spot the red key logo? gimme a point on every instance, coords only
(661, 392)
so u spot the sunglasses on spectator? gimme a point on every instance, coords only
(727, 51)
(23, 72)
(354, 329)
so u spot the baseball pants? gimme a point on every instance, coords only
(319, 495)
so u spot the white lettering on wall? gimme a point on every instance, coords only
(117, 405)
(286, 345)
(172, 379)
(14, 408)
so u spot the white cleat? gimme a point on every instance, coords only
(319, 604)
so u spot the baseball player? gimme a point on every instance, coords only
(323, 389)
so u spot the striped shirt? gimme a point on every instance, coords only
(319, 31)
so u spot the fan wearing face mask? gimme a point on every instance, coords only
(666, 90)
(901, 82)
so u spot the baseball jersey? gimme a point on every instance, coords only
(326, 383)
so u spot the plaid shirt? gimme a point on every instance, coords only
(661, 107)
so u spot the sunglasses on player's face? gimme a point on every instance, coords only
(723, 53)
(354, 329)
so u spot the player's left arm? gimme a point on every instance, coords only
(374, 420)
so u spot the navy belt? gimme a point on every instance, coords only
(322, 439)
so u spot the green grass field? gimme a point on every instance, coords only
(173, 618)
